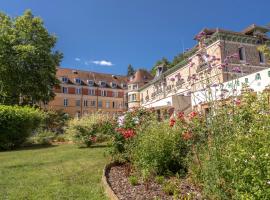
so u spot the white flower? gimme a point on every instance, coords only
(268, 182)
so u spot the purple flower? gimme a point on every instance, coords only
(172, 79)
(236, 69)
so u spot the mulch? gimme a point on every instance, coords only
(118, 180)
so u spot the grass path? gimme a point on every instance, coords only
(59, 172)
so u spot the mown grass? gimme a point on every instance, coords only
(58, 172)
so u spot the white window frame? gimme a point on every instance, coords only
(79, 89)
(64, 79)
(85, 103)
(65, 90)
(102, 84)
(90, 82)
(114, 85)
(65, 102)
(78, 103)
(103, 93)
(91, 92)
(107, 104)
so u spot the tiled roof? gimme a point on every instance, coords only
(141, 76)
(84, 76)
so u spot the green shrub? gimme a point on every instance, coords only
(160, 150)
(159, 179)
(42, 137)
(234, 161)
(85, 130)
(55, 121)
(16, 125)
(170, 188)
(133, 180)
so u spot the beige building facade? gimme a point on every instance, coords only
(225, 50)
(83, 92)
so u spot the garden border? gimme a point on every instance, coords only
(108, 190)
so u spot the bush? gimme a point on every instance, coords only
(16, 125)
(133, 180)
(234, 160)
(160, 150)
(56, 121)
(42, 137)
(91, 128)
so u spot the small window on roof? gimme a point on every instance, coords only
(102, 83)
(90, 82)
(64, 79)
(114, 85)
(78, 80)
(246, 80)
(268, 73)
(124, 85)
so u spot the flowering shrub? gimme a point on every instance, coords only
(231, 150)
(160, 149)
(89, 129)
(128, 126)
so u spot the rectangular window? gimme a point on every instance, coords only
(124, 85)
(135, 86)
(64, 79)
(78, 90)
(268, 73)
(103, 93)
(261, 57)
(113, 104)
(78, 80)
(107, 104)
(85, 103)
(65, 102)
(93, 103)
(102, 83)
(91, 92)
(100, 104)
(133, 97)
(241, 52)
(114, 85)
(90, 82)
(258, 76)
(115, 94)
(246, 80)
(65, 90)
(78, 102)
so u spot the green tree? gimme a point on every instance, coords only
(27, 60)
(163, 61)
(130, 71)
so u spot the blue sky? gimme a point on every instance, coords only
(107, 35)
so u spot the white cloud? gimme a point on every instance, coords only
(102, 62)
(78, 59)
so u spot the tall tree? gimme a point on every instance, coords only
(130, 70)
(27, 60)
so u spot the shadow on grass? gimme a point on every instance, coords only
(31, 147)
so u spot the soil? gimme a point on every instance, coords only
(117, 177)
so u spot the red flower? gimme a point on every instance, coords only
(187, 135)
(127, 133)
(93, 138)
(172, 122)
(193, 114)
(237, 102)
(181, 116)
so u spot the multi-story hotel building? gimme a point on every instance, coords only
(84, 92)
(225, 49)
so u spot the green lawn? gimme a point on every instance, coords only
(59, 172)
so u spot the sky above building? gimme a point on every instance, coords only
(107, 35)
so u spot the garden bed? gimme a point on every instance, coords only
(117, 179)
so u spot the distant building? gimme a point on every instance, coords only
(84, 92)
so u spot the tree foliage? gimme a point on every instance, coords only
(27, 60)
(131, 70)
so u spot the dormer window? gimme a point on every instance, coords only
(78, 81)
(114, 85)
(102, 83)
(90, 82)
(124, 85)
(64, 79)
